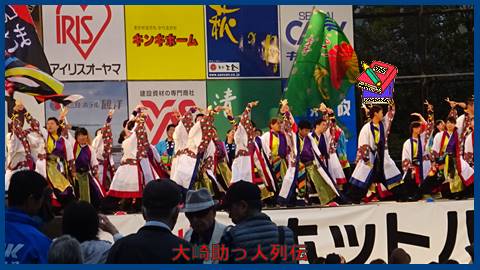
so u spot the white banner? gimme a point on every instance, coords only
(427, 231)
(162, 99)
(293, 21)
(85, 42)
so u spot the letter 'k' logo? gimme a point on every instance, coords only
(158, 119)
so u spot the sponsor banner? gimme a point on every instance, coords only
(346, 114)
(427, 231)
(243, 41)
(238, 93)
(85, 42)
(91, 111)
(294, 20)
(165, 42)
(162, 99)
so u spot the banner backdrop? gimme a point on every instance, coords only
(165, 42)
(237, 93)
(162, 99)
(85, 43)
(294, 20)
(242, 41)
(427, 231)
(91, 111)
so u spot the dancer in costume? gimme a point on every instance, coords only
(449, 161)
(102, 146)
(132, 175)
(230, 146)
(317, 174)
(249, 165)
(88, 188)
(37, 145)
(180, 136)
(303, 187)
(416, 160)
(274, 145)
(463, 121)
(374, 164)
(166, 149)
(469, 140)
(189, 158)
(19, 156)
(324, 136)
(289, 180)
(340, 143)
(60, 159)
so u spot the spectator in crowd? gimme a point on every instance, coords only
(378, 261)
(200, 211)
(24, 243)
(451, 261)
(65, 250)
(399, 256)
(81, 221)
(253, 229)
(334, 258)
(154, 243)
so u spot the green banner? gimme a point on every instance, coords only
(325, 68)
(237, 93)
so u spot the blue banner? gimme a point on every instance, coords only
(242, 41)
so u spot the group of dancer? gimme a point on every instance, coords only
(293, 163)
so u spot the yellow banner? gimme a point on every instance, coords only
(165, 42)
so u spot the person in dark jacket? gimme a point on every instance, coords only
(254, 231)
(24, 243)
(154, 243)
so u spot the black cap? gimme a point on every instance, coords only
(162, 194)
(241, 191)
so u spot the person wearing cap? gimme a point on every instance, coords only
(154, 243)
(200, 211)
(253, 229)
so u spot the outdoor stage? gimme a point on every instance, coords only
(428, 231)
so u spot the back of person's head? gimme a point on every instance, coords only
(65, 250)
(333, 258)
(378, 261)
(26, 189)
(399, 256)
(319, 260)
(242, 200)
(244, 191)
(161, 199)
(80, 220)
